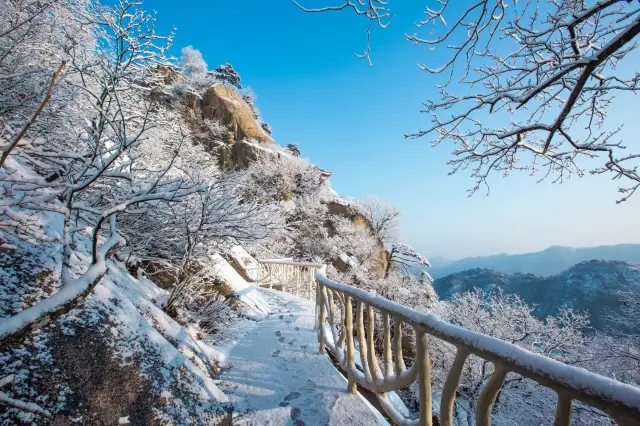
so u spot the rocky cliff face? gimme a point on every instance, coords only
(239, 142)
(225, 105)
(237, 137)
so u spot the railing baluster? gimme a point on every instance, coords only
(296, 273)
(321, 317)
(342, 336)
(388, 364)
(350, 361)
(563, 410)
(362, 341)
(424, 376)
(373, 362)
(397, 346)
(488, 396)
(332, 318)
(448, 398)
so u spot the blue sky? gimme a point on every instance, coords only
(350, 118)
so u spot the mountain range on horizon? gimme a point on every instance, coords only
(551, 261)
(592, 287)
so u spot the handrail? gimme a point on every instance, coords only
(288, 261)
(289, 275)
(266, 250)
(618, 400)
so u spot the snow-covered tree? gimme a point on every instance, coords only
(278, 175)
(617, 353)
(293, 148)
(354, 240)
(227, 75)
(85, 150)
(382, 216)
(194, 65)
(179, 238)
(546, 72)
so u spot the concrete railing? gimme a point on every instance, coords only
(337, 330)
(293, 277)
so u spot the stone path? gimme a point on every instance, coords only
(275, 375)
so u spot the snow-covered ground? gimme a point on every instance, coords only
(275, 375)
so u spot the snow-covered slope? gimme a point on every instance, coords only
(116, 355)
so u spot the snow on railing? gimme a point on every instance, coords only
(335, 303)
(286, 275)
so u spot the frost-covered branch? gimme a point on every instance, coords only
(528, 85)
(382, 216)
(65, 299)
(24, 406)
(18, 137)
(376, 12)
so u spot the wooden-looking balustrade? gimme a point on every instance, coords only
(339, 329)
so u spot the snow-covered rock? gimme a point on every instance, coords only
(244, 263)
(253, 305)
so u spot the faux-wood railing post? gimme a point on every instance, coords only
(322, 313)
(563, 411)
(424, 376)
(448, 397)
(488, 396)
(352, 386)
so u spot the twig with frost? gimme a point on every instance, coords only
(16, 403)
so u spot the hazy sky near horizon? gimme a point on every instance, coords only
(350, 118)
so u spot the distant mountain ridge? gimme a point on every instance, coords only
(588, 286)
(547, 262)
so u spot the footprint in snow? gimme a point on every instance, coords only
(291, 342)
(292, 396)
(275, 353)
(295, 413)
(281, 339)
(281, 316)
(278, 333)
(297, 329)
(295, 416)
(308, 388)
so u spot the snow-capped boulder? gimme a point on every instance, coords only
(243, 263)
(252, 304)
